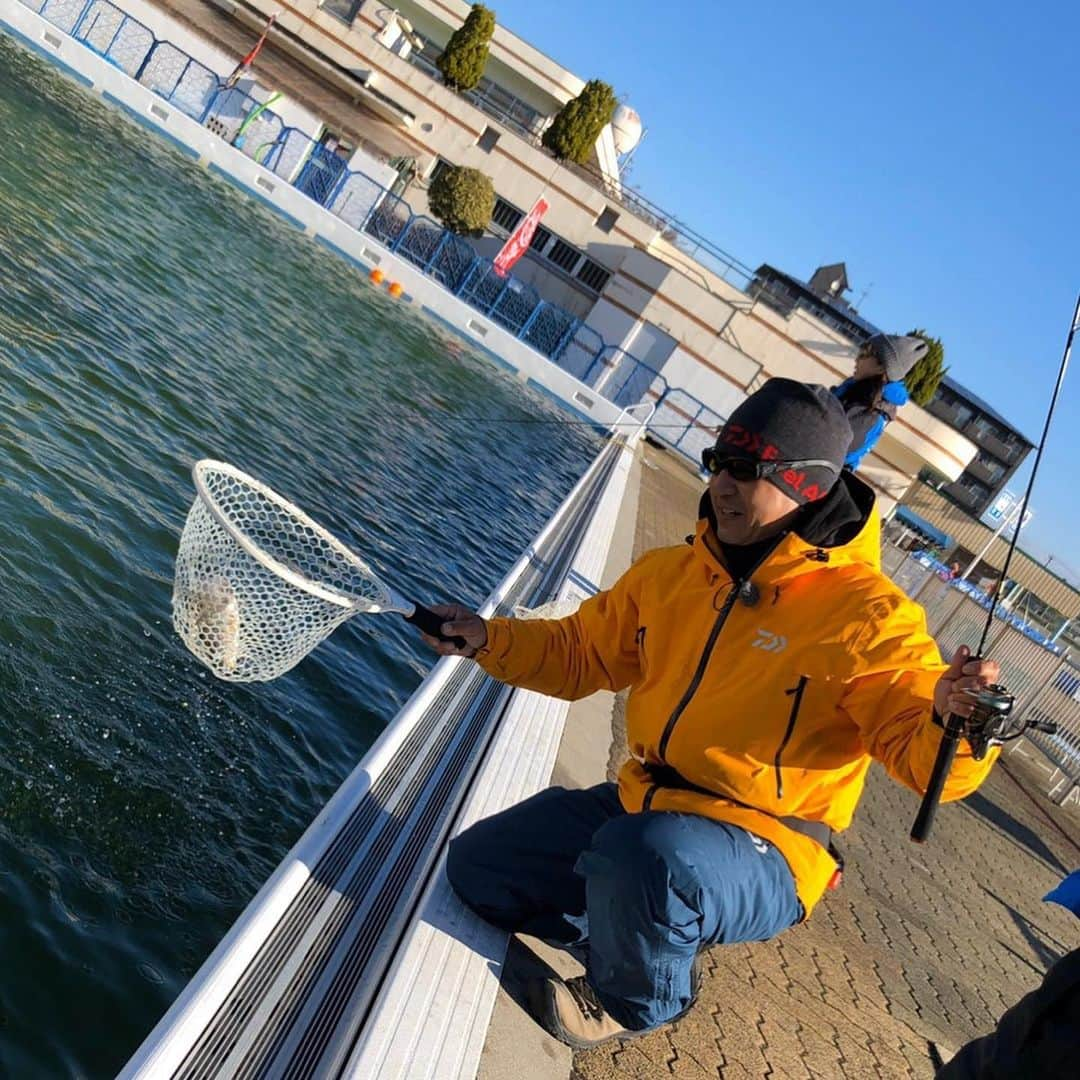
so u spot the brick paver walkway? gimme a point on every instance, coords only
(922, 944)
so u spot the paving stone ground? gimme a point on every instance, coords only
(920, 945)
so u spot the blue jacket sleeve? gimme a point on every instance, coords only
(857, 453)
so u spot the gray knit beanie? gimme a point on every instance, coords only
(896, 354)
(791, 421)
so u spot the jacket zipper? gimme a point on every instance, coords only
(725, 611)
(699, 674)
(797, 693)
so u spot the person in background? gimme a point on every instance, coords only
(872, 396)
(1040, 1035)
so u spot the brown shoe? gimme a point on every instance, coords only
(571, 1011)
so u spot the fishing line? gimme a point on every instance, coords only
(1031, 481)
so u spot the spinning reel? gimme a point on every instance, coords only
(992, 724)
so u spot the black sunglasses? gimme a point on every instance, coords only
(745, 469)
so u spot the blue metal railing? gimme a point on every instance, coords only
(681, 420)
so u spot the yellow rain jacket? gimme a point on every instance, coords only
(774, 699)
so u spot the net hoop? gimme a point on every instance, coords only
(299, 581)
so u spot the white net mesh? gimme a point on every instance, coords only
(258, 584)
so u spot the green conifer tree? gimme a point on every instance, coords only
(577, 125)
(923, 379)
(463, 60)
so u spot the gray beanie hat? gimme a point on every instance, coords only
(897, 355)
(791, 421)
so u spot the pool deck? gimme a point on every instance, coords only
(920, 950)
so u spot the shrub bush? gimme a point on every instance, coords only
(462, 199)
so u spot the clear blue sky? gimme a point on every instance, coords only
(934, 148)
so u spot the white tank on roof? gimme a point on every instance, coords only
(626, 128)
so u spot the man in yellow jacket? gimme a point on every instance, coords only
(769, 662)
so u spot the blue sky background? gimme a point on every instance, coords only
(934, 148)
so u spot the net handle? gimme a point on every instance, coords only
(322, 592)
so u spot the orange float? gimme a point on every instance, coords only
(395, 289)
(376, 276)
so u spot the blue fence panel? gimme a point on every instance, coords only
(452, 262)
(579, 353)
(321, 174)
(130, 47)
(98, 25)
(483, 287)
(420, 240)
(624, 379)
(548, 329)
(355, 199)
(285, 157)
(64, 14)
(111, 33)
(178, 79)
(163, 69)
(261, 135)
(515, 305)
(685, 423)
(389, 219)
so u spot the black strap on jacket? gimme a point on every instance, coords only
(666, 777)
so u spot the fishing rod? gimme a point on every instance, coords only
(991, 723)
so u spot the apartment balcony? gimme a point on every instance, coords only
(967, 498)
(986, 473)
(1010, 454)
(955, 418)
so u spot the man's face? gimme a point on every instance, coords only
(747, 511)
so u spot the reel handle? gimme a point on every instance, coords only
(924, 820)
(992, 707)
(425, 619)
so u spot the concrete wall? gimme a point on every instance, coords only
(644, 288)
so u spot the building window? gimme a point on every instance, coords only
(488, 138)
(540, 239)
(506, 216)
(606, 221)
(991, 465)
(593, 275)
(974, 487)
(988, 428)
(440, 166)
(563, 255)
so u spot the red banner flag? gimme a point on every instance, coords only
(518, 241)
